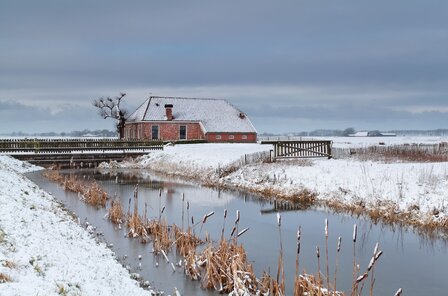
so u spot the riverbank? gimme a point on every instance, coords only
(397, 193)
(44, 251)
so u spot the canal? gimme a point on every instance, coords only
(410, 261)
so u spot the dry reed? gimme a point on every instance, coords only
(115, 212)
(9, 264)
(91, 192)
(4, 278)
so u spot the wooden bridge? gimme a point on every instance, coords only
(301, 149)
(75, 152)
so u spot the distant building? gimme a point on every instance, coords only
(372, 134)
(177, 119)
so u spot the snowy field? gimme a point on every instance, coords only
(361, 142)
(44, 252)
(416, 189)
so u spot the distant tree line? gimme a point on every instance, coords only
(83, 133)
(350, 130)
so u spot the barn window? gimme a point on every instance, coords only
(183, 132)
(244, 137)
(218, 137)
(155, 132)
(231, 137)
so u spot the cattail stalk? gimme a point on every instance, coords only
(183, 206)
(318, 266)
(337, 262)
(281, 270)
(372, 267)
(223, 224)
(205, 220)
(326, 254)
(354, 285)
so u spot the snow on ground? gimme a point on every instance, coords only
(43, 251)
(415, 188)
(361, 142)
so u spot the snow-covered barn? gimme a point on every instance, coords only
(176, 118)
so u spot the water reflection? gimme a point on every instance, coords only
(407, 256)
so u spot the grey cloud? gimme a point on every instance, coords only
(336, 57)
(20, 117)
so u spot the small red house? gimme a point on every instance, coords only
(174, 119)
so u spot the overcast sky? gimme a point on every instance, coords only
(290, 65)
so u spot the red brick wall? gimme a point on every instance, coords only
(237, 137)
(170, 130)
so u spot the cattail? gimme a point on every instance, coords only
(339, 243)
(233, 231)
(376, 248)
(371, 263)
(398, 293)
(326, 227)
(207, 216)
(192, 220)
(188, 205)
(378, 255)
(279, 219)
(361, 278)
(163, 209)
(237, 217)
(298, 240)
(223, 224)
(242, 231)
(355, 232)
(164, 255)
(183, 196)
(172, 266)
(160, 192)
(317, 252)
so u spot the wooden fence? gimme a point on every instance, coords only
(300, 149)
(14, 146)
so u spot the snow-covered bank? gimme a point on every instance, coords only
(44, 252)
(415, 192)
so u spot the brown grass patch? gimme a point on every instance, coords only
(95, 195)
(227, 269)
(9, 264)
(115, 212)
(4, 278)
(92, 193)
(186, 242)
(405, 153)
(161, 233)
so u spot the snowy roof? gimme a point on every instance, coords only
(359, 134)
(216, 115)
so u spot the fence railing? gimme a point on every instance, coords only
(70, 145)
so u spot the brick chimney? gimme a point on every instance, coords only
(169, 111)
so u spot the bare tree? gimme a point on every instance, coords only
(110, 108)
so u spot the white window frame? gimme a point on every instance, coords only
(218, 137)
(231, 137)
(244, 137)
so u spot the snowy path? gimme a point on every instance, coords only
(44, 252)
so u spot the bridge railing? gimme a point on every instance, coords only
(70, 145)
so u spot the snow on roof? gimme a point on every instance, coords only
(216, 115)
(359, 134)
